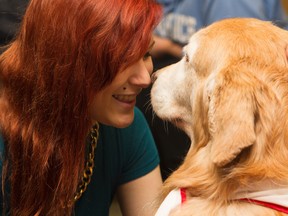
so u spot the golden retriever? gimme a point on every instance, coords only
(229, 93)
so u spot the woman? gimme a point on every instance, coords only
(72, 65)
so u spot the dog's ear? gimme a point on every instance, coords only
(230, 116)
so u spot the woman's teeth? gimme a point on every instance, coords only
(125, 98)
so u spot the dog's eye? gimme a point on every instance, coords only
(186, 58)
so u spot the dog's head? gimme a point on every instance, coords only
(230, 90)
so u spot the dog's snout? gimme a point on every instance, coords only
(154, 77)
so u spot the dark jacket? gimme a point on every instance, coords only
(11, 13)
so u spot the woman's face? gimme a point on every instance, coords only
(114, 105)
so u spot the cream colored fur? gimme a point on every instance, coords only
(229, 93)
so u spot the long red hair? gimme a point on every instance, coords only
(64, 53)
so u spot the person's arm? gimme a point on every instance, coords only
(136, 197)
(165, 46)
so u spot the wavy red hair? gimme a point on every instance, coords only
(64, 53)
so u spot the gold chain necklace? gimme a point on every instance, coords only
(88, 171)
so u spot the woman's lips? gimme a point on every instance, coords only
(125, 98)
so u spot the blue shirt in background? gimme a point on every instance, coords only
(182, 18)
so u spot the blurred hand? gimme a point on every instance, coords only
(165, 46)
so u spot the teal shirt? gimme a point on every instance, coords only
(122, 155)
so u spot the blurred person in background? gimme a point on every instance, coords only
(11, 13)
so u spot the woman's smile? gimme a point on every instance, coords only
(125, 98)
(126, 101)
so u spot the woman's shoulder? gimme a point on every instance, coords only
(135, 148)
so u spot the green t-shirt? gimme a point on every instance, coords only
(122, 155)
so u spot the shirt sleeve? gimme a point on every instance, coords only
(139, 152)
(270, 10)
(169, 5)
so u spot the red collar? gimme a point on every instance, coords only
(183, 195)
(257, 202)
(267, 204)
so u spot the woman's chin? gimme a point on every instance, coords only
(123, 122)
(119, 121)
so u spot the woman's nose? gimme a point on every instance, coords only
(141, 78)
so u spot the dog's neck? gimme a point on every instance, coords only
(267, 194)
(265, 185)
(276, 199)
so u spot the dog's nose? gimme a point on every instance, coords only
(153, 77)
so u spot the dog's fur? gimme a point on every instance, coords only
(229, 93)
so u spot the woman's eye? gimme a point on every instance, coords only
(146, 56)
